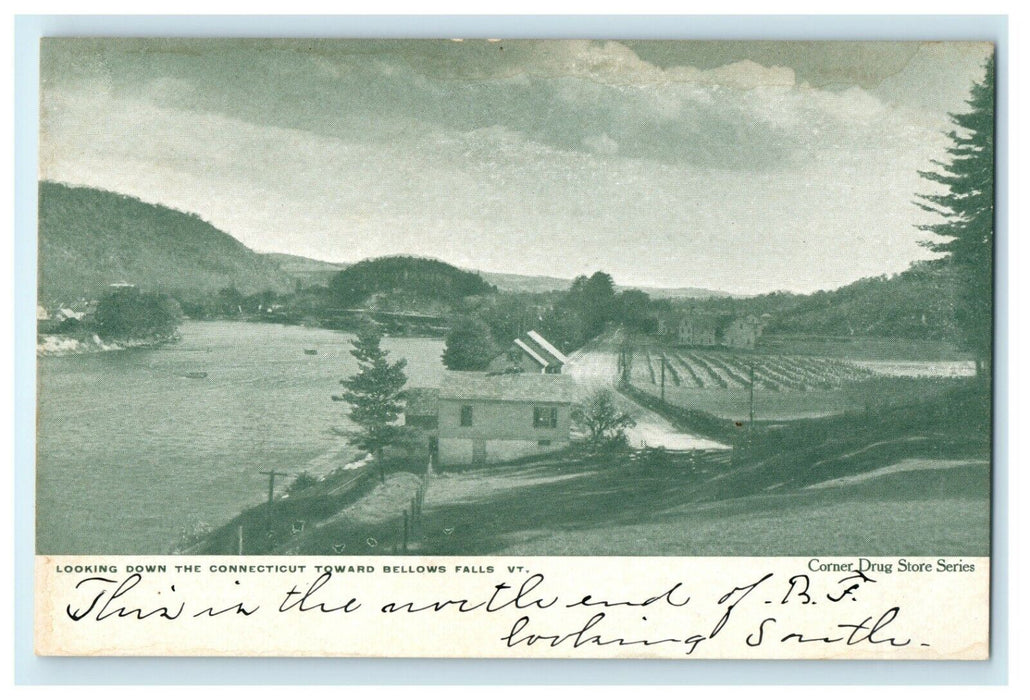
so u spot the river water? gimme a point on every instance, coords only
(131, 450)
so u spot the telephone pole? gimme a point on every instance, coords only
(271, 492)
(663, 379)
(751, 399)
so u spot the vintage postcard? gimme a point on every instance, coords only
(515, 348)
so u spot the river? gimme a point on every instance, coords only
(131, 450)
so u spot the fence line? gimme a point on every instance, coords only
(411, 517)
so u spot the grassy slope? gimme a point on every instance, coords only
(628, 510)
(89, 239)
(757, 502)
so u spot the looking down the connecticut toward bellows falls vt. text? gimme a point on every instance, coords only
(488, 297)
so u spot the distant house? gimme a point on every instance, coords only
(742, 332)
(483, 418)
(709, 330)
(57, 320)
(532, 354)
(699, 330)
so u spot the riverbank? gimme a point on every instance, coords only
(57, 345)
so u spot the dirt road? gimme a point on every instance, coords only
(596, 366)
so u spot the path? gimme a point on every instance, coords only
(595, 367)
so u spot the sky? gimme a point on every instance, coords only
(745, 167)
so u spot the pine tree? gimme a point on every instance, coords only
(375, 394)
(967, 210)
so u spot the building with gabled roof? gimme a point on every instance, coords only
(485, 418)
(551, 350)
(707, 329)
(532, 354)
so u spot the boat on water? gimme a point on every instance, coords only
(195, 375)
(310, 352)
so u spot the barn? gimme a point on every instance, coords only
(485, 418)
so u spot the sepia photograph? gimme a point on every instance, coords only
(464, 297)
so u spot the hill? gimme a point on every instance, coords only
(298, 264)
(312, 271)
(532, 284)
(538, 283)
(405, 280)
(90, 238)
(918, 303)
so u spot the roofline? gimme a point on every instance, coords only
(470, 399)
(531, 353)
(542, 342)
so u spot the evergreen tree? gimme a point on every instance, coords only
(469, 346)
(967, 210)
(375, 394)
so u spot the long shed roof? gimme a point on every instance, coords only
(553, 351)
(525, 387)
(531, 352)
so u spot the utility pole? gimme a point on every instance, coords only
(663, 379)
(751, 400)
(271, 492)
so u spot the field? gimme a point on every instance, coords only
(862, 348)
(786, 387)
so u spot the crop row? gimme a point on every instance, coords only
(703, 369)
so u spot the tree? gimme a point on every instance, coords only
(605, 424)
(230, 300)
(129, 313)
(375, 394)
(593, 299)
(966, 234)
(564, 327)
(634, 310)
(469, 345)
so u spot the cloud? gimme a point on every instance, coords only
(602, 143)
(557, 159)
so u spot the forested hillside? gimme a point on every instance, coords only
(89, 239)
(918, 303)
(402, 276)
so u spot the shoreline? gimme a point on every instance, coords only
(57, 345)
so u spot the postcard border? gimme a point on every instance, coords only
(30, 669)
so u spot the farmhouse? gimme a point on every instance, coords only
(742, 332)
(689, 329)
(708, 330)
(532, 354)
(484, 418)
(699, 330)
